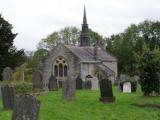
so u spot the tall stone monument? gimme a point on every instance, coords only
(68, 90)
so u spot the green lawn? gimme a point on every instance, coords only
(87, 107)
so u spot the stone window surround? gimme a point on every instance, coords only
(60, 61)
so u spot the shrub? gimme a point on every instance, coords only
(133, 86)
(23, 87)
(150, 72)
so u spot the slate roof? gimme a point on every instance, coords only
(86, 54)
(105, 69)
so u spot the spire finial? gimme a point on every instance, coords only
(84, 17)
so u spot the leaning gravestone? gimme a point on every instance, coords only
(52, 85)
(127, 87)
(7, 96)
(79, 83)
(68, 89)
(106, 91)
(7, 74)
(22, 72)
(37, 81)
(26, 107)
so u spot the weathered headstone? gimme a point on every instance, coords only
(7, 96)
(37, 80)
(87, 84)
(127, 87)
(52, 85)
(79, 83)
(68, 89)
(22, 72)
(26, 107)
(94, 83)
(106, 91)
(7, 74)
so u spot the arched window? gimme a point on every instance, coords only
(65, 70)
(56, 70)
(60, 68)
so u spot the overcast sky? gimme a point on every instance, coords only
(35, 19)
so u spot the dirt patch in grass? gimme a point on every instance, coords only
(147, 105)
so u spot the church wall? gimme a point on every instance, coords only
(87, 69)
(113, 66)
(48, 64)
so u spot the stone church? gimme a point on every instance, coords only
(85, 62)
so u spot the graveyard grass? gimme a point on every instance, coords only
(87, 107)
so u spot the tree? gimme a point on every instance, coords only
(69, 36)
(9, 55)
(125, 46)
(150, 71)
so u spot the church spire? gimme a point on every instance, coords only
(84, 17)
(84, 37)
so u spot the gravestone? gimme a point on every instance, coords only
(7, 96)
(52, 85)
(26, 107)
(22, 72)
(68, 89)
(37, 81)
(87, 84)
(94, 83)
(79, 83)
(7, 74)
(106, 91)
(127, 87)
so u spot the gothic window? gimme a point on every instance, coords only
(65, 70)
(60, 68)
(56, 70)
